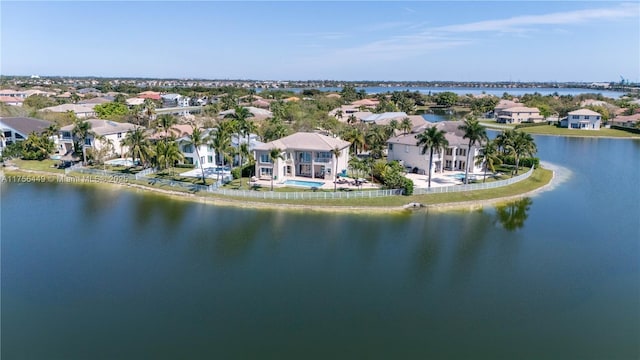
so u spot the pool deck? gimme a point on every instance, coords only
(439, 179)
(328, 184)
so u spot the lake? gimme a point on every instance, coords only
(473, 90)
(103, 273)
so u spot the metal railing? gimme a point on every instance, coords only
(309, 195)
(471, 187)
(265, 194)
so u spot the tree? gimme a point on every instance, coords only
(196, 140)
(37, 147)
(104, 151)
(149, 110)
(446, 98)
(521, 145)
(168, 153)
(138, 144)
(82, 130)
(110, 110)
(240, 116)
(476, 133)
(221, 140)
(348, 93)
(406, 125)
(336, 154)
(165, 122)
(339, 114)
(51, 130)
(274, 154)
(489, 158)
(434, 140)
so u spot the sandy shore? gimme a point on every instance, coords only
(219, 201)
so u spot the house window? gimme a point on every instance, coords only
(266, 171)
(461, 152)
(449, 152)
(304, 157)
(188, 160)
(264, 158)
(209, 159)
(390, 147)
(119, 135)
(18, 136)
(87, 141)
(187, 148)
(575, 117)
(586, 117)
(597, 117)
(324, 156)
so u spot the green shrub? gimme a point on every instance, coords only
(185, 166)
(631, 130)
(526, 162)
(236, 173)
(525, 125)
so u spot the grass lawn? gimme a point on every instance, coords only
(553, 130)
(174, 174)
(539, 178)
(36, 165)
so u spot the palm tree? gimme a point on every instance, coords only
(51, 130)
(406, 125)
(274, 154)
(339, 114)
(149, 110)
(522, 145)
(82, 130)
(504, 139)
(196, 140)
(434, 140)
(167, 154)
(476, 133)
(240, 115)
(336, 154)
(138, 144)
(165, 122)
(221, 140)
(352, 119)
(356, 137)
(489, 158)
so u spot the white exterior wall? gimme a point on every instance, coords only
(116, 140)
(206, 152)
(574, 122)
(410, 156)
(290, 161)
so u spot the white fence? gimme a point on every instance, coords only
(471, 187)
(309, 195)
(214, 188)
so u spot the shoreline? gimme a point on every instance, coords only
(228, 202)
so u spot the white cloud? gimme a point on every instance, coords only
(520, 23)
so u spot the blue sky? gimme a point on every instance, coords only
(300, 40)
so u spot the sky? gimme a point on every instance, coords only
(324, 40)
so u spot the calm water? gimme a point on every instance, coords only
(476, 90)
(92, 273)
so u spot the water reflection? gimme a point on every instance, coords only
(513, 216)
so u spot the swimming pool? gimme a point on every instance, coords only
(303, 183)
(456, 176)
(121, 162)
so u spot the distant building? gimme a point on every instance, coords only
(82, 111)
(111, 131)
(175, 100)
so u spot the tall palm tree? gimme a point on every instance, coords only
(241, 115)
(165, 122)
(489, 158)
(505, 138)
(356, 137)
(82, 130)
(149, 110)
(476, 133)
(167, 154)
(434, 140)
(274, 154)
(336, 154)
(352, 119)
(522, 145)
(51, 130)
(196, 140)
(139, 145)
(221, 140)
(406, 125)
(339, 114)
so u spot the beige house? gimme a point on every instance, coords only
(304, 155)
(109, 131)
(82, 111)
(519, 114)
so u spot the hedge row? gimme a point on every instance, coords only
(525, 125)
(631, 130)
(526, 162)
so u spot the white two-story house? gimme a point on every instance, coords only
(583, 119)
(205, 155)
(404, 149)
(304, 155)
